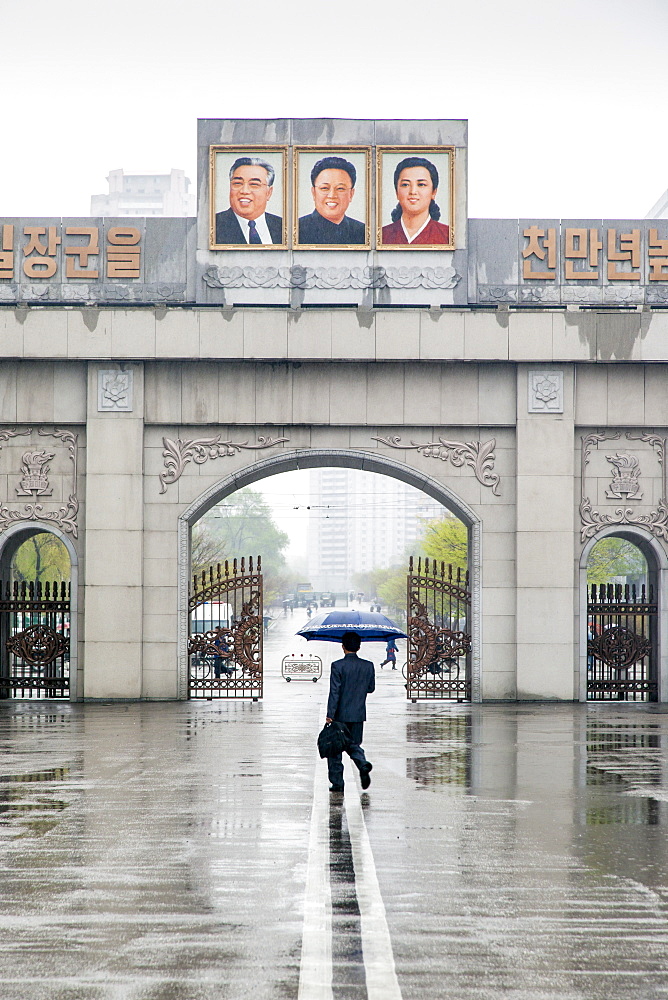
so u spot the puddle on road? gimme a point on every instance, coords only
(19, 813)
(452, 764)
(626, 773)
(449, 768)
(50, 774)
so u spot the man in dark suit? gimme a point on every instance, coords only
(246, 221)
(351, 680)
(333, 182)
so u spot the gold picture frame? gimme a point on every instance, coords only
(225, 231)
(392, 233)
(307, 221)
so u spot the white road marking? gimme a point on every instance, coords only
(315, 973)
(381, 976)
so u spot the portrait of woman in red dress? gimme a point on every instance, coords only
(415, 217)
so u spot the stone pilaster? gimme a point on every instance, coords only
(114, 534)
(545, 534)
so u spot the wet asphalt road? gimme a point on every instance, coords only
(172, 851)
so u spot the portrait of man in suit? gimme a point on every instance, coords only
(334, 179)
(247, 222)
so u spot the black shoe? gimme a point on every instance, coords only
(336, 788)
(365, 777)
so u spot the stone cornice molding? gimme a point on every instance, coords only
(300, 277)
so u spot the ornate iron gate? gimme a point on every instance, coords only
(439, 634)
(35, 640)
(621, 643)
(225, 639)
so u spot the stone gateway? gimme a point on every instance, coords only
(517, 374)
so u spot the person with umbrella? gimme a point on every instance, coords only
(351, 680)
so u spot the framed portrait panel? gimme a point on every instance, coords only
(332, 195)
(415, 198)
(248, 197)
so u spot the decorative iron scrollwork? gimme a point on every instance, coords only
(430, 644)
(452, 644)
(232, 597)
(423, 637)
(439, 641)
(241, 643)
(247, 633)
(619, 647)
(38, 645)
(209, 643)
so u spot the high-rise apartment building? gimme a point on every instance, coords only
(361, 521)
(145, 194)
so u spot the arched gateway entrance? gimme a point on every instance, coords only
(314, 458)
(623, 626)
(38, 620)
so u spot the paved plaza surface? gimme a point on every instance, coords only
(192, 851)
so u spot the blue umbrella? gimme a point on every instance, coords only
(329, 626)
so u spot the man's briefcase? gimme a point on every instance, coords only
(333, 739)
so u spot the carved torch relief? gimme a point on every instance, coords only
(625, 483)
(603, 487)
(41, 465)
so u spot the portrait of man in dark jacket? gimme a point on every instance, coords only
(351, 680)
(333, 180)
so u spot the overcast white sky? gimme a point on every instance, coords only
(566, 100)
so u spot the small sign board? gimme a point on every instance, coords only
(301, 668)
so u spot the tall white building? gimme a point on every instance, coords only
(361, 521)
(145, 194)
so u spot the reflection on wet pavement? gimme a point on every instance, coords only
(160, 851)
(450, 736)
(348, 978)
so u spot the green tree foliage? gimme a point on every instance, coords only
(443, 538)
(613, 557)
(446, 539)
(368, 583)
(242, 525)
(392, 591)
(42, 557)
(388, 586)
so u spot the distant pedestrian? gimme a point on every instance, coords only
(222, 654)
(351, 680)
(391, 654)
